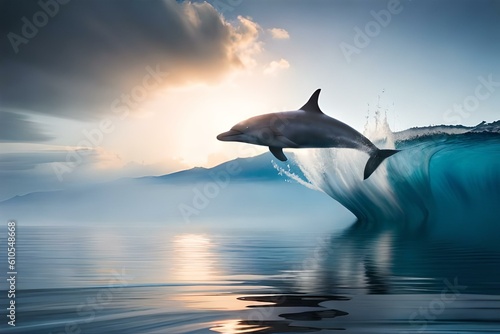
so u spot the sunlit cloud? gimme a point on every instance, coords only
(276, 66)
(279, 33)
(245, 41)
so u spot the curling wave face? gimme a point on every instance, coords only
(441, 175)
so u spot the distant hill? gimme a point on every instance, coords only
(257, 168)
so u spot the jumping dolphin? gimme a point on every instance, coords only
(307, 127)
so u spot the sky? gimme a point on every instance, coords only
(93, 90)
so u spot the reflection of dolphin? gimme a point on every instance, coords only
(307, 127)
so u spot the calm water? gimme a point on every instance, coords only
(207, 280)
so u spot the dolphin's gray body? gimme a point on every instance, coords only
(307, 127)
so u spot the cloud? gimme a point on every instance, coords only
(28, 171)
(279, 33)
(77, 157)
(245, 41)
(29, 159)
(93, 52)
(37, 168)
(275, 66)
(17, 127)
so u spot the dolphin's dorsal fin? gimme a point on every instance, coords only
(312, 104)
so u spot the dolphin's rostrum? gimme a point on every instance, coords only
(307, 127)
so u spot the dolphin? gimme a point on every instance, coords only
(307, 127)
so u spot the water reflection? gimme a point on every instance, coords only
(259, 327)
(384, 261)
(291, 300)
(283, 314)
(353, 261)
(262, 327)
(193, 259)
(380, 276)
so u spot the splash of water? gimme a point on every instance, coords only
(338, 173)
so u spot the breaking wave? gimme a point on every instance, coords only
(443, 173)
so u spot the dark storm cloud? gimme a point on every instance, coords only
(90, 52)
(15, 127)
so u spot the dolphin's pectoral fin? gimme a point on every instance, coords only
(278, 153)
(312, 104)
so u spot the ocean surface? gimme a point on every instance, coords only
(420, 254)
(155, 280)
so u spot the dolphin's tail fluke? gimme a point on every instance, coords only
(376, 159)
